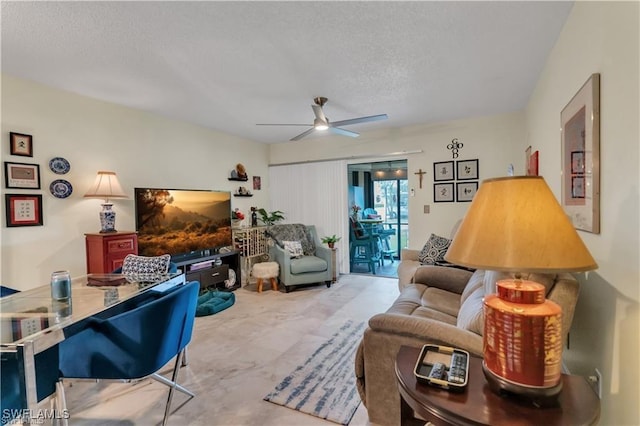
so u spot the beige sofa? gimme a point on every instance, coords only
(440, 305)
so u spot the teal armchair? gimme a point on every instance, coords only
(313, 266)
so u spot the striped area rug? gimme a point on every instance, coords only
(325, 385)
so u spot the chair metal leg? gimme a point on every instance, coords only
(173, 386)
(61, 404)
(185, 358)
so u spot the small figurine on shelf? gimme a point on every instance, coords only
(236, 218)
(239, 173)
(242, 172)
(254, 216)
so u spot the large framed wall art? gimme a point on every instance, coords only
(580, 150)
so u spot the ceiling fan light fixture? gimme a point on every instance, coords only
(320, 125)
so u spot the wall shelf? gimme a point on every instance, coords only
(239, 179)
(243, 195)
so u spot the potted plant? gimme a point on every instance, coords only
(236, 218)
(270, 218)
(330, 241)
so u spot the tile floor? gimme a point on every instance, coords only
(239, 355)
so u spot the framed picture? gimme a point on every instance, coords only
(577, 187)
(443, 192)
(533, 164)
(23, 210)
(577, 162)
(465, 191)
(22, 175)
(443, 171)
(21, 144)
(257, 183)
(467, 169)
(580, 150)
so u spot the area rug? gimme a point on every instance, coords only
(325, 385)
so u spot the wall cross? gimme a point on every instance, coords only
(420, 173)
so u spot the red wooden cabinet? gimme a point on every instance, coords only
(106, 252)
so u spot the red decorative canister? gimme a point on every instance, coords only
(523, 335)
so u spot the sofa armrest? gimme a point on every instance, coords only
(427, 330)
(409, 254)
(442, 277)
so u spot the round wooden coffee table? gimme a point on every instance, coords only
(478, 405)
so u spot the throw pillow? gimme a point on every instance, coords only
(434, 250)
(294, 248)
(142, 265)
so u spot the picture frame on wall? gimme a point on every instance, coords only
(465, 191)
(23, 210)
(443, 170)
(21, 175)
(580, 151)
(257, 183)
(467, 169)
(443, 192)
(20, 144)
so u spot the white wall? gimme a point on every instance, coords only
(601, 37)
(144, 150)
(495, 141)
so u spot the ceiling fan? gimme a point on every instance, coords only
(321, 122)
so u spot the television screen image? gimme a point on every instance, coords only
(183, 223)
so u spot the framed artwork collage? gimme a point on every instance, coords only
(24, 209)
(455, 181)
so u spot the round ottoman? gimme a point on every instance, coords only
(266, 271)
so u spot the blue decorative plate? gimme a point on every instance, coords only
(60, 188)
(59, 165)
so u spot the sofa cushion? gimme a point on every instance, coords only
(441, 300)
(308, 264)
(434, 250)
(411, 302)
(476, 281)
(471, 314)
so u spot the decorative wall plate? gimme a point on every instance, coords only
(60, 188)
(59, 165)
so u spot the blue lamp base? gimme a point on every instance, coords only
(107, 219)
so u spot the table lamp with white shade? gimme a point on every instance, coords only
(106, 186)
(515, 224)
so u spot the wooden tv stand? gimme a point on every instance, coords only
(210, 276)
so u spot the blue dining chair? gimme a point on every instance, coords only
(135, 344)
(6, 291)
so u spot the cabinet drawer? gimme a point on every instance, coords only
(210, 277)
(120, 245)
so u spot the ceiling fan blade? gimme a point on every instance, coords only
(287, 124)
(303, 134)
(317, 110)
(343, 132)
(360, 120)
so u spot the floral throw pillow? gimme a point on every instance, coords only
(142, 265)
(434, 250)
(294, 248)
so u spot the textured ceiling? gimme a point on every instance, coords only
(230, 65)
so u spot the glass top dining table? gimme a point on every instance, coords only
(32, 321)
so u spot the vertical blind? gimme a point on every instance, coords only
(314, 194)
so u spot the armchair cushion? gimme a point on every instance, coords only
(434, 250)
(308, 264)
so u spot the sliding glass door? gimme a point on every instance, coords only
(391, 202)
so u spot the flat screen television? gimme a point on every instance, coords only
(187, 224)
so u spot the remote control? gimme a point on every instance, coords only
(437, 371)
(458, 369)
